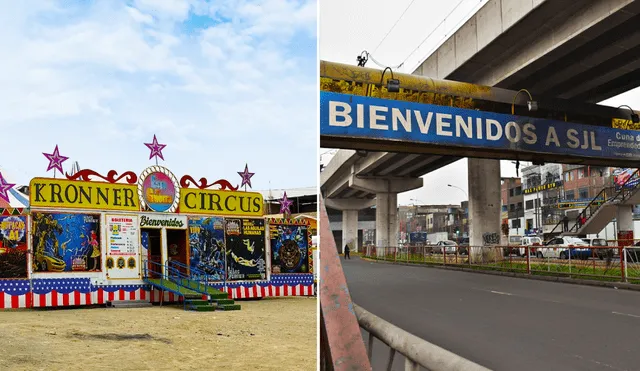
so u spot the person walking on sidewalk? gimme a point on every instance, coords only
(565, 221)
(346, 252)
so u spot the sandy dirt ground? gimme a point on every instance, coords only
(269, 334)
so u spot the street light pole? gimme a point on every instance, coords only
(465, 193)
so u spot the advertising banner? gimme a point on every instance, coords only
(13, 246)
(209, 201)
(353, 116)
(66, 242)
(123, 248)
(245, 249)
(207, 243)
(621, 176)
(68, 194)
(289, 248)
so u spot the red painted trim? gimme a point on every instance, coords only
(54, 298)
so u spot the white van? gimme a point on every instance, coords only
(530, 241)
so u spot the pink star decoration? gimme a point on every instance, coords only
(156, 148)
(246, 176)
(285, 205)
(4, 188)
(55, 160)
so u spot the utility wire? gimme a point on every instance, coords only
(394, 26)
(435, 28)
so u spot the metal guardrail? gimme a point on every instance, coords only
(341, 344)
(418, 352)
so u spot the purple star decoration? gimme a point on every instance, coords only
(55, 160)
(4, 188)
(156, 148)
(246, 176)
(285, 205)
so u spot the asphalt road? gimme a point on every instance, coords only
(502, 323)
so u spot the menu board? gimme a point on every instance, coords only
(123, 253)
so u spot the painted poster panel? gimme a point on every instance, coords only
(353, 116)
(13, 246)
(245, 249)
(289, 248)
(206, 240)
(66, 242)
(123, 248)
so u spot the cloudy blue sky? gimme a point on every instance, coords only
(222, 83)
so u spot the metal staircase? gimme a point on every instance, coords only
(194, 294)
(598, 214)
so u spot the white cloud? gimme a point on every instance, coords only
(221, 83)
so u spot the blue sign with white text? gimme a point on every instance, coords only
(358, 117)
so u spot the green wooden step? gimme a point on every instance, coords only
(203, 308)
(226, 307)
(224, 301)
(197, 302)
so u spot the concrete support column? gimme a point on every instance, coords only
(349, 229)
(624, 218)
(386, 220)
(484, 203)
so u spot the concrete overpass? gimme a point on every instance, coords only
(585, 51)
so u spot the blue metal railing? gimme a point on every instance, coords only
(166, 273)
(175, 273)
(200, 275)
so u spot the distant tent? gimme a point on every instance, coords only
(17, 199)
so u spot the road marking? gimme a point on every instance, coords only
(626, 314)
(501, 293)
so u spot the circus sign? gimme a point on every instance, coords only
(158, 189)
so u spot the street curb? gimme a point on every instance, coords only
(574, 281)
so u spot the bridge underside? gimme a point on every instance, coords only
(583, 51)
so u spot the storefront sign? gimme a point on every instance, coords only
(158, 189)
(163, 221)
(542, 187)
(355, 117)
(122, 234)
(68, 194)
(571, 204)
(205, 201)
(123, 239)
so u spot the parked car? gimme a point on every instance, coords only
(561, 247)
(446, 246)
(601, 253)
(514, 242)
(531, 241)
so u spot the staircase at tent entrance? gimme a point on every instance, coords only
(196, 295)
(603, 208)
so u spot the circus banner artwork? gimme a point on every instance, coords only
(13, 246)
(206, 239)
(289, 248)
(245, 249)
(66, 242)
